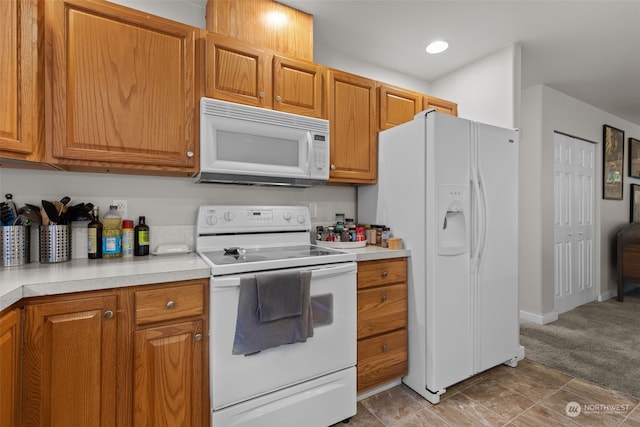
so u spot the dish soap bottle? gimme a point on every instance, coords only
(94, 233)
(112, 233)
(141, 238)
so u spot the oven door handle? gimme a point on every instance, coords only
(322, 271)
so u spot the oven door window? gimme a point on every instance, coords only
(322, 310)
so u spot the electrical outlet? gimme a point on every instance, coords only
(313, 210)
(122, 207)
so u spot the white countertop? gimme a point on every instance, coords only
(37, 279)
(371, 253)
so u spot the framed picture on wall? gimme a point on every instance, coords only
(612, 163)
(635, 203)
(634, 158)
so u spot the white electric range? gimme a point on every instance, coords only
(311, 383)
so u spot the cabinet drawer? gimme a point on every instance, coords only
(382, 359)
(169, 303)
(382, 309)
(381, 272)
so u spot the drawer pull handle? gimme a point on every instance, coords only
(197, 337)
(170, 304)
(384, 298)
(385, 347)
(385, 274)
(108, 314)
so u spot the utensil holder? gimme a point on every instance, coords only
(16, 245)
(55, 243)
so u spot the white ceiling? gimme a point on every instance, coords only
(589, 50)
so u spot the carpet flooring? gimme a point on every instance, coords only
(598, 342)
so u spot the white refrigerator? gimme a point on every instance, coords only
(449, 188)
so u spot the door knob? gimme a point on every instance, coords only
(108, 314)
(170, 304)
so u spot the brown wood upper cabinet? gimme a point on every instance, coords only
(242, 73)
(122, 89)
(441, 105)
(248, 21)
(21, 80)
(351, 103)
(396, 105)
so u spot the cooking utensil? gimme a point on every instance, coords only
(31, 215)
(51, 211)
(44, 216)
(8, 212)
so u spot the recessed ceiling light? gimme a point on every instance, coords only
(437, 46)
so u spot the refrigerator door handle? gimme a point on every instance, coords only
(482, 219)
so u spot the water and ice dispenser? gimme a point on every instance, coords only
(452, 213)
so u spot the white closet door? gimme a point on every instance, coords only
(574, 192)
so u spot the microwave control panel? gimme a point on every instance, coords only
(319, 167)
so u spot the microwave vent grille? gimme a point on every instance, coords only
(216, 107)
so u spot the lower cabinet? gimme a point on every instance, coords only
(69, 367)
(382, 322)
(123, 357)
(168, 358)
(10, 356)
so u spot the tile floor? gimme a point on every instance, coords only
(530, 395)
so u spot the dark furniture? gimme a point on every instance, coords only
(628, 241)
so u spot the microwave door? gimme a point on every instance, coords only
(235, 146)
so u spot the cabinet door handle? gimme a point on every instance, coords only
(384, 298)
(333, 167)
(170, 304)
(385, 274)
(385, 347)
(261, 94)
(278, 98)
(108, 314)
(197, 337)
(189, 154)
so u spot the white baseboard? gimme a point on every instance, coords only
(526, 317)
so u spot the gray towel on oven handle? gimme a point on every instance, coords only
(252, 336)
(279, 295)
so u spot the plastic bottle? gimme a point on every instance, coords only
(386, 233)
(127, 238)
(112, 233)
(94, 234)
(141, 238)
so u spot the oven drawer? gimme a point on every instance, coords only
(382, 359)
(381, 272)
(382, 309)
(169, 303)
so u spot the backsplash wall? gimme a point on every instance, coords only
(169, 204)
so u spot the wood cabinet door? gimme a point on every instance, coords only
(69, 364)
(351, 107)
(397, 106)
(297, 87)
(237, 72)
(10, 363)
(21, 81)
(441, 105)
(121, 90)
(168, 376)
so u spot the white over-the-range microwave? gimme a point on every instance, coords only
(242, 144)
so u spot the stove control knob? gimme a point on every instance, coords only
(229, 216)
(211, 220)
(300, 219)
(287, 216)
